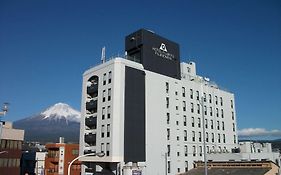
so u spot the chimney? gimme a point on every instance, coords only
(61, 140)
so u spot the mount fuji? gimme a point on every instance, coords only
(59, 120)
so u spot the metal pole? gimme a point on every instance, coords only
(204, 136)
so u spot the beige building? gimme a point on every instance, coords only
(10, 149)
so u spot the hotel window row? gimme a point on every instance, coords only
(107, 77)
(108, 95)
(108, 112)
(207, 123)
(221, 137)
(103, 130)
(105, 150)
(210, 98)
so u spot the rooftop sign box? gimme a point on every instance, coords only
(154, 52)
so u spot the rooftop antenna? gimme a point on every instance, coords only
(103, 55)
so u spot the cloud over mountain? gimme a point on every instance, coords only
(257, 132)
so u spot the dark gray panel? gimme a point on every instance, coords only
(134, 124)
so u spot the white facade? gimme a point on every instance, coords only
(173, 119)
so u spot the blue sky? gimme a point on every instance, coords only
(45, 46)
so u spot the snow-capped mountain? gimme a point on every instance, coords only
(59, 120)
(61, 111)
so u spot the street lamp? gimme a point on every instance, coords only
(101, 154)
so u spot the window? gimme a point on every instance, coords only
(222, 125)
(231, 104)
(167, 102)
(176, 93)
(194, 150)
(200, 137)
(108, 130)
(109, 77)
(168, 134)
(207, 137)
(223, 137)
(102, 147)
(192, 121)
(192, 107)
(216, 100)
(108, 111)
(185, 135)
(104, 79)
(177, 108)
(109, 94)
(233, 127)
(204, 96)
(184, 120)
(184, 105)
(217, 112)
(186, 166)
(167, 87)
(198, 109)
(103, 96)
(219, 138)
(221, 101)
(103, 113)
(218, 125)
(213, 137)
(185, 151)
(199, 122)
(212, 124)
(210, 98)
(200, 150)
(197, 95)
(178, 154)
(193, 136)
(169, 166)
(232, 115)
(222, 113)
(183, 91)
(205, 110)
(177, 123)
(102, 131)
(234, 139)
(206, 123)
(168, 118)
(191, 93)
(168, 150)
(179, 170)
(211, 111)
(107, 149)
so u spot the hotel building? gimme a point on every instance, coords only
(146, 112)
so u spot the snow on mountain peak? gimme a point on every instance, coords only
(61, 111)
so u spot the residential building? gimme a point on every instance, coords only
(146, 111)
(58, 157)
(10, 149)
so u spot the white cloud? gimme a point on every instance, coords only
(249, 132)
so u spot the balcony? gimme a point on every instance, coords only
(90, 139)
(89, 151)
(92, 106)
(91, 122)
(93, 90)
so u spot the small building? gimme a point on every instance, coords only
(58, 157)
(248, 151)
(10, 148)
(32, 163)
(235, 168)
